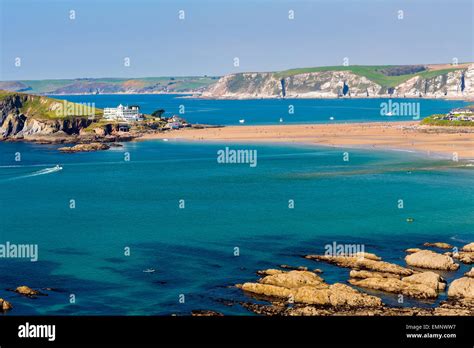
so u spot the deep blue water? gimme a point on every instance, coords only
(266, 111)
(134, 204)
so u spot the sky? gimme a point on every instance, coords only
(40, 40)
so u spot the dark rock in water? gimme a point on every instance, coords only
(299, 268)
(439, 245)
(85, 148)
(5, 305)
(206, 313)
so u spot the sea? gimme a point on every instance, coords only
(162, 227)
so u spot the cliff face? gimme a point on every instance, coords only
(17, 120)
(333, 84)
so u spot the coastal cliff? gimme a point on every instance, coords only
(28, 117)
(432, 81)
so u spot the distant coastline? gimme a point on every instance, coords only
(440, 81)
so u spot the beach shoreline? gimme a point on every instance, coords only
(448, 142)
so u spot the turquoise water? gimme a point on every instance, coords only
(266, 111)
(134, 204)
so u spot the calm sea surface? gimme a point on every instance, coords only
(267, 111)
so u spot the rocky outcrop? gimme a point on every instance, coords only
(431, 260)
(462, 288)
(85, 147)
(439, 245)
(27, 291)
(420, 285)
(447, 308)
(308, 288)
(24, 116)
(430, 279)
(5, 305)
(468, 247)
(396, 286)
(304, 293)
(363, 264)
(412, 250)
(463, 256)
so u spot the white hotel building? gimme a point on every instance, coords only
(123, 113)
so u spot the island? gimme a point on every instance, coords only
(45, 120)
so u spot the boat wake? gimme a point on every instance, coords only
(37, 173)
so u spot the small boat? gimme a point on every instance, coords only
(410, 219)
(148, 270)
(331, 118)
(242, 121)
(58, 167)
(165, 139)
(281, 119)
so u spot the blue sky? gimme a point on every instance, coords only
(258, 32)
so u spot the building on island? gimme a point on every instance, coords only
(123, 113)
(176, 122)
(460, 114)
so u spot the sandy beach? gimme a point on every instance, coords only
(397, 135)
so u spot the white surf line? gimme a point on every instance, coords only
(39, 172)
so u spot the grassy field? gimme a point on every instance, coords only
(373, 73)
(434, 121)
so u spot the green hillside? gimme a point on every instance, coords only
(374, 73)
(110, 85)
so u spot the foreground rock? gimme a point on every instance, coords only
(430, 279)
(468, 247)
(85, 148)
(431, 260)
(462, 288)
(421, 285)
(304, 293)
(448, 308)
(5, 305)
(465, 255)
(308, 288)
